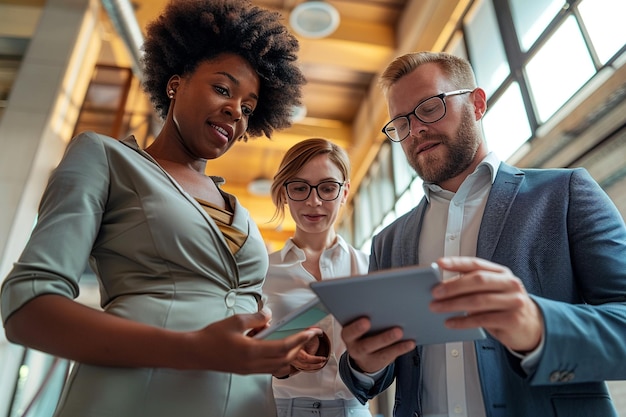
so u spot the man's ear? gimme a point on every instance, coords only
(480, 102)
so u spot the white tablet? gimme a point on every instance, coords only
(297, 320)
(390, 298)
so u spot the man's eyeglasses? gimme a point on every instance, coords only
(427, 111)
(326, 190)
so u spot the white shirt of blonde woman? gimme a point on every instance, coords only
(286, 288)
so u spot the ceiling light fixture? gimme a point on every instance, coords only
(314, 19)
(260, 186)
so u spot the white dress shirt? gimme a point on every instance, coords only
(451, 385)
(287, 287)
(450, 380)
(454, 390)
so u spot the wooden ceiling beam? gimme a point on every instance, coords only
(356, 45)
(365, 33)
(420, 27)
(18, 21)
(354, 56)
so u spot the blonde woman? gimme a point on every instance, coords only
(313, 181)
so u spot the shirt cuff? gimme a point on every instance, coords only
(530, 360)
(367, 379)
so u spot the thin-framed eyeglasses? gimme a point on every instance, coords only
(428, 111)
(301, 190)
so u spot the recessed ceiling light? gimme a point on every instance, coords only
(314, 19)
(260, 186)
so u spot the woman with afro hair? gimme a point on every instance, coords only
(180, 263)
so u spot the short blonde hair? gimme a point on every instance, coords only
(458, 70)
(296, 158)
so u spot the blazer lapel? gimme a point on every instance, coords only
(132, 143)
(503, 192)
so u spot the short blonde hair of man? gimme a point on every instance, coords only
(458, 70)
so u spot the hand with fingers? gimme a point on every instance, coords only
(231, 350)
(314, 355)
(373, 353)
(493, 299)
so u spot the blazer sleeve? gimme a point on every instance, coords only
(587, 341)
(361, 392)
(69, 216)
(389, 249)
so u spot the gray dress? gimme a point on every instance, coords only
(160, 260)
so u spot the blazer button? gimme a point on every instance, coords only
(567, 376)
(555, 376)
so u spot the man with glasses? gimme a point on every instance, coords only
(535, 257)
(430, 110)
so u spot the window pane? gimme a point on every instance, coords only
(417, 190)
(402, 171)
(385, 191)
(599, 16)
(485, 47)
(374, 189)
(362, 215)
(456, 46)
(39, 371)
(410, 198)
(345, 229)
(405, 203)
(506, 124)
(559, 69)
(531, 18)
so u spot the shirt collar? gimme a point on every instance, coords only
(489, 164)
(341, 244)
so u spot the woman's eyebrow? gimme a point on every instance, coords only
(235, 81)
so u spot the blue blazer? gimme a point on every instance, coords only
(559, 232)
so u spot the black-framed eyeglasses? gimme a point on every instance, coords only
(326, 190)
(430, 110)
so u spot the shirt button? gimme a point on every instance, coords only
(454, 353)
(231, 298)
(458, 409)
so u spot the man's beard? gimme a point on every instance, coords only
(461, 152)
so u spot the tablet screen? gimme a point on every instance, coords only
(390, 298)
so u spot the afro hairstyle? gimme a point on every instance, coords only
(189, 32)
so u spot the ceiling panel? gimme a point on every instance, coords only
(340, 69)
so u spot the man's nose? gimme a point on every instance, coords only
(416, 126)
